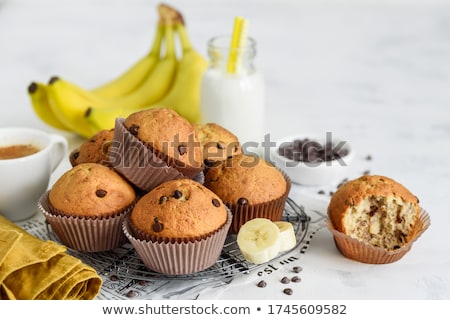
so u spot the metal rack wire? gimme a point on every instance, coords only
(124, 261)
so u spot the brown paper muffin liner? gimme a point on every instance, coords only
(362, 252)
(176, 257)
(272, 210)
(85, 233)
(141, 165)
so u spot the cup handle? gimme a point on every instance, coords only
(58, 150)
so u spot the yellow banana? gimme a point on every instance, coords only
(159, 81)
(184, 95)
(68, 107)
(136, 74)
(38, 98)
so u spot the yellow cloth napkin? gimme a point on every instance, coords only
(34, 269)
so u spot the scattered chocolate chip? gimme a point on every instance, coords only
(285, 280)
(366, 172)
(368, 157)
(134, 129)
(113, 277)
(296, 279)
(297, 269)
(163, 199)
(215, 202)
(262, 284)
(182, 149)
(100, 193)
(331, 193)
(321, 192)
(142, 282)
(242, 201)
(131, 294)
(177, 194)
(157, 226)
(288, 291)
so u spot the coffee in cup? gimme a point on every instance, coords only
(27, 159)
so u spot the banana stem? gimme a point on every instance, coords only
(184, 37)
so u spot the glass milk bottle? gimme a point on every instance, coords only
(235, 100)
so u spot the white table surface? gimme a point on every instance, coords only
(374, 72)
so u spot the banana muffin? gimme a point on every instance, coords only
(155, 145)
(250, 186)
(178, 227)
(378, 212)
(217, 142)
(86, 207)
(95, 149)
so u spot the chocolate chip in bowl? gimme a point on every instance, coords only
(313, 159)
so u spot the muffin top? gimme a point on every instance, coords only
(218, 143)
(246, 179)
(95, 149)
(167, 132)
(178, 209)
(91, 190)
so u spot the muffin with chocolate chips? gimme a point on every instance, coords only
(217, 142)
(155, 145)
(251, 187)
(95, 149)
(374, 219)
(178, 227)
(87, 205)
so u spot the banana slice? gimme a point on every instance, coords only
(259, 240)
(287, 233)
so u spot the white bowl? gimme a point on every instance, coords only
(314, 173)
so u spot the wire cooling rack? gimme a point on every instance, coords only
(124, 261)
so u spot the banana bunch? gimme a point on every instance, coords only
(161, 78)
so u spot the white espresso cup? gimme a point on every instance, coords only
(24, 179)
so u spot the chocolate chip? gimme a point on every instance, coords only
(285, 280)
(157, 226)
(242, 201)
(296, 279)
(143, 282)
(177, 194)
(163, 199)
(182, 149)
(366, 172)
(321, 192)
(373, 210)
(131, 294)
(215, 202)
(134, 129)
(262, 284)
(297, 269)
(288, 291)
(113, 277)
(368, 157)
(100, 193)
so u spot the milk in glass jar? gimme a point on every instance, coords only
(233, 96)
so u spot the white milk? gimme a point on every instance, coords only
(234, 100)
